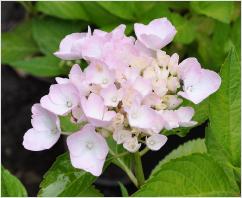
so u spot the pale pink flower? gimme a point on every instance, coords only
(151, 100)
(67, 49)
(162, 58)
(61, 99)
(173, 84)
(157, 34)
(130, 95)
(98, 73)
(111, 95)
(142, 85)
(156, 141)
(95, 111)
(172, 101)
(173, 64)
(170, 119)
(132, 144)
(88, 150)
(78, 79)
(121, 135)
(184, 115)
(160, 87)
(144, 117)
(45, 132)
(60, 80)
(198, 83)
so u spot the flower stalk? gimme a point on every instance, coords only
(139, 169)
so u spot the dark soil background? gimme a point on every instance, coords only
(19, 93)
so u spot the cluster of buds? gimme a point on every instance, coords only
(131, 89)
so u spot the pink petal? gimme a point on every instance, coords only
(58, 109)
(39, 140)
(157, 34)
(60, 80)
(66, 44)
(88, 163)
(93, 107)
(77, 77)
(88, 150)
(156, 141)
(198, 83)
(109, 115)
(170, 119)
(143, 86)
(111, 95)
(98, 73)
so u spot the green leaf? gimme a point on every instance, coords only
(64, 10)
(91, 191)
(156, 10)
(201, 115)
(68, 126)
(18, 44)
(222, 11)
(203, 21)
(224, 111)
(193, 175)
(45, 66)
(185, 29)
(220, 155)
(123, 9)
(10, 185)
(62, 179)
(123, 189)
(188, 148)
(48, 32)
(235, 35)
(100, 16)
(213, 50)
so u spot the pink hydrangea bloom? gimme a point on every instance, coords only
(157, 34)
(131, 89)
(88, 150)
(45, 132)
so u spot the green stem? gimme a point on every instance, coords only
(126, 169)
(118, 155)
(144, 151)
(139, 169)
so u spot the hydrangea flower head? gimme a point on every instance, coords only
(130, 90)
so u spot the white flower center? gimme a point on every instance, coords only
(105, 81)
(134, 115)
(89, 145)
(190, 88)
(69, 104)
(114, 99)
(151, 142)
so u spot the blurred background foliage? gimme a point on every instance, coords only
(206, 30)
